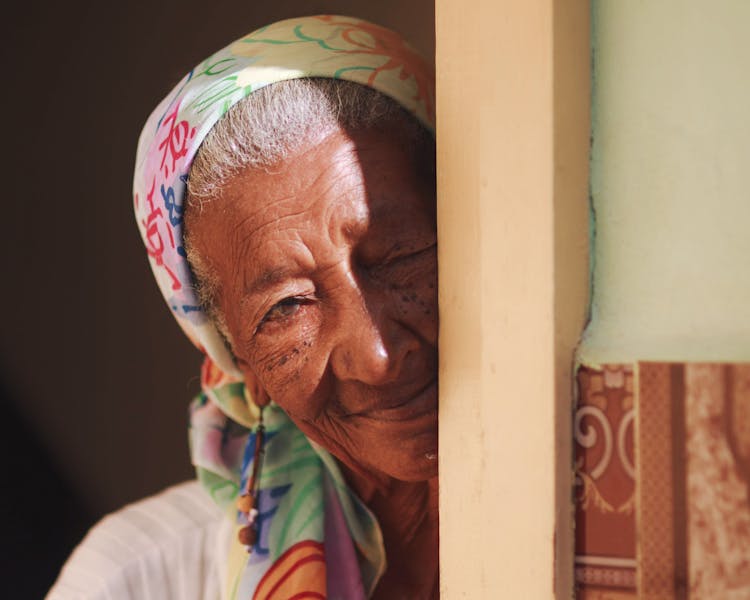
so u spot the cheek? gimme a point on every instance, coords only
(416, 300)
(290, 367)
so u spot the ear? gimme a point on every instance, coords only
(254, 390)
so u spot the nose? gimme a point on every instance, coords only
(371, 346)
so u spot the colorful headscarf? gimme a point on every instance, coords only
(304, 500)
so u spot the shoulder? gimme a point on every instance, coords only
(163, 546)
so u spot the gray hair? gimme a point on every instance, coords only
(271, 124)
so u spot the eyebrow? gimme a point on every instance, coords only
(268, 279)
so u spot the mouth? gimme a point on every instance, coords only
(423, 403)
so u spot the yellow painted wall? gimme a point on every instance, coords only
(670, 177)
(512, 140)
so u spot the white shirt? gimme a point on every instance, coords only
(166, 547)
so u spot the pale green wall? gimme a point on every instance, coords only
(670, 180)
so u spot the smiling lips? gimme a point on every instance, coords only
(422, 403)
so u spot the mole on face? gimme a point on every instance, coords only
(328, 271)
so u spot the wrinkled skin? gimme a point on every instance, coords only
(327, 274)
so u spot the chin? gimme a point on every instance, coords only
(417, 470)
(412, 459)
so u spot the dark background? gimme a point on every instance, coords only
(95, 376)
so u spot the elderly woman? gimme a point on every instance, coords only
(285, 193)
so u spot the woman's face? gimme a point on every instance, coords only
(327, 280)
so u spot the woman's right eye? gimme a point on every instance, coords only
(282, 310)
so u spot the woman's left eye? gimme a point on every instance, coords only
(411, 256)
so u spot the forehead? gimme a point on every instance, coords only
(343, 183)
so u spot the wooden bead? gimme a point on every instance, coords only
(248, 536)
(245, 503)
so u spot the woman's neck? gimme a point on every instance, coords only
(407, 513)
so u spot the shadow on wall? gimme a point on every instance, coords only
(43, 517)
(95, 369)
